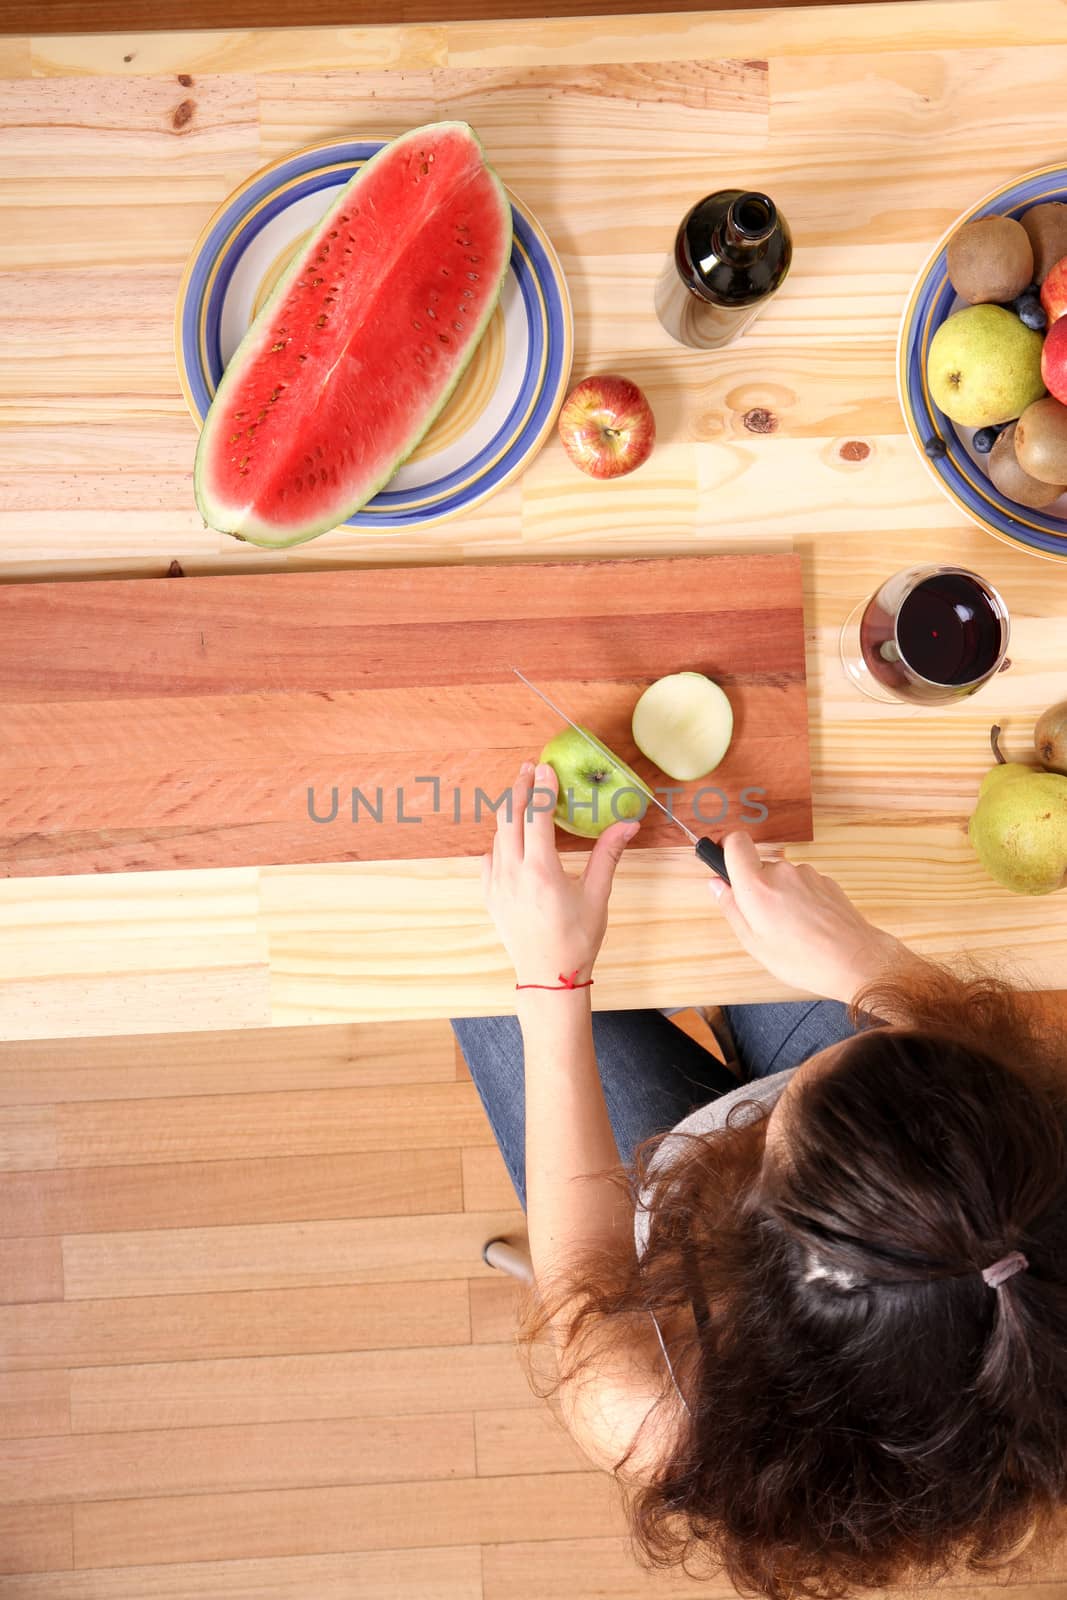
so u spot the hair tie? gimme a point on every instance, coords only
(1005, 1268)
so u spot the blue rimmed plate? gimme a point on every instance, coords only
(961, 471)
(506, 402)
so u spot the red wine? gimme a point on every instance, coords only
(731, 254)
(947, 631)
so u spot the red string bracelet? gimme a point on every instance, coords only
(564, 982)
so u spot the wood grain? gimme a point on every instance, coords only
(510, 1442)
(34, 1404)
(425, 1116)
(255, 1061)
(239, 715)
(225, 1325)
(30, 1270)
(75, 16)
(188, 1194)
(448, 1574)
(289, 1255)
(219, 1460)
(364, 1517)
(328, 1440)
(585, 1569)
(35, 1538)
(861, 120)
(299, 1388)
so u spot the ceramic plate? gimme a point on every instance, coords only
(507, 400)
(961, 471)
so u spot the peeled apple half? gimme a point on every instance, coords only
(684, 723)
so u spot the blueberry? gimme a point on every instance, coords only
(935, 448)
(985, 439)
(1032, 315)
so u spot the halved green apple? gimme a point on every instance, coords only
(684, 723)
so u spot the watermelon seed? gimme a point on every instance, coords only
(444, 338)
(301, 358)
(238, 415)
(473, 276)
(474, 258)
(430, 312)
(298, 485)
(415, 323)
(424, 169)
(244, 463)
(320, 322)
(445, 272)
(333, 235)
(431, 158)
(279, 346)
(234, 437)
(318, 451)
(315, 282)
(458, 327)
(262, 414)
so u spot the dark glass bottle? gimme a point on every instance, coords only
(731, 254)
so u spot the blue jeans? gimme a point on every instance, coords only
(652, 1073)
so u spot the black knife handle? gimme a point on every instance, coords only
(712, 856)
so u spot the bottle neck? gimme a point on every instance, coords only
(746, 226)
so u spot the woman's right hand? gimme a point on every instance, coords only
(801, 926)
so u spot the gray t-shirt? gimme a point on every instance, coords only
(761, 1092)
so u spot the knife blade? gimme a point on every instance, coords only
(710, 853)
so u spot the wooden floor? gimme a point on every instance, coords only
(248, 1347)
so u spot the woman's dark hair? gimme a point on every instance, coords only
(865, 1408)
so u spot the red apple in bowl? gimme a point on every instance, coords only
(1054, 360)
(607, 426)
(1054, 292)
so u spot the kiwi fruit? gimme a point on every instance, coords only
(1015, 484)
(1050, 738)
(990, 261)
(1041, 441)
(1046, 228)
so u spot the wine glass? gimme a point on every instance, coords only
(929, 635)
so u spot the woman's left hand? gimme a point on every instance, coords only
(551, 923)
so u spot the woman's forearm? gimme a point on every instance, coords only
(572, 1208)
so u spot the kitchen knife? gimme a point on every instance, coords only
(707, 850)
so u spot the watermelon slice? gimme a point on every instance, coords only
(361, 343)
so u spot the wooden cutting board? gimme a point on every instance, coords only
(199, 722)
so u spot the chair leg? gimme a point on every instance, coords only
(509, 1258)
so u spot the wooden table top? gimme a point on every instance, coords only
(872, 126)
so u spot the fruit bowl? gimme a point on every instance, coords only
(961, 471)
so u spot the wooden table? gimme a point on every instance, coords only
(872, 127)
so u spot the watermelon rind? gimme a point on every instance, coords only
(252, 530)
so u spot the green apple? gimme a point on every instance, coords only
(684, 723)
(984, 366)
(595, 787)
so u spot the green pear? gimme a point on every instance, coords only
(1019, 827)
(984, 366)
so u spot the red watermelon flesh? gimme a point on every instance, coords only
(360, 345)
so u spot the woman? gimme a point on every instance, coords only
(820, 1329)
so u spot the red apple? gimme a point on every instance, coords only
(1054, 360)
(607, 426)
(1054, 291)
